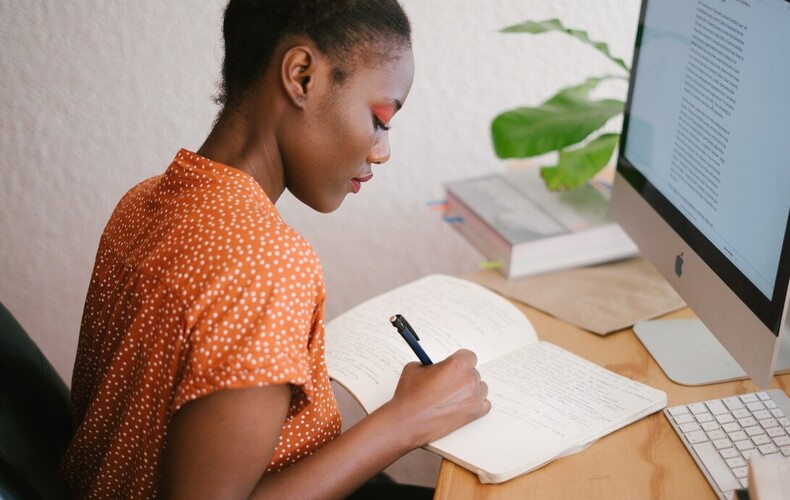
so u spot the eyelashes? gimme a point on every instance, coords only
(382, 115)
(379, 125)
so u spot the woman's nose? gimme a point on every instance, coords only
(381, 151)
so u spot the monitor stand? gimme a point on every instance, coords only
(703, 360)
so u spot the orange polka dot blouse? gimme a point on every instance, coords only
(198, 286)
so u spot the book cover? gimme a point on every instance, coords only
(513, 219)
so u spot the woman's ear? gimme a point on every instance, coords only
(298, 72)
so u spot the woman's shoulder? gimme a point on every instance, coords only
(246, 238)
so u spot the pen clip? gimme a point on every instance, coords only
(402, 325)
(407, 332)
(409, 328)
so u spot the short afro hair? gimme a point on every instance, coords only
(252, 29)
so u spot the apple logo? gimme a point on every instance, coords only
(679, 264)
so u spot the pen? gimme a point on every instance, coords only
(411, 338)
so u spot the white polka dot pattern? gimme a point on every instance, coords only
(198, 286)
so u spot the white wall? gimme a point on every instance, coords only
(96, 95)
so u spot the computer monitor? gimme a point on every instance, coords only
(703, 181)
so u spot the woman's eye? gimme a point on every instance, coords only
(379, 125)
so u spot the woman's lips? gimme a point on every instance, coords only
(356, 182)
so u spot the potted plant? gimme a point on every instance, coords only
(566, 123)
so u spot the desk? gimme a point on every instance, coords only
(645, 460)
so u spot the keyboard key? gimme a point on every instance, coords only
(741, 413)
(714, 427)
(678, 410)
(704, 417)
(698, 408)
(724, 419)
(732, 403)
(689, 427)
(768, 423)
(776, 432)
(696, 437)
(756, 406)
(761, 439)
(770, 405)
(749, 454)
(777, 413)
(729, 453)
(762, 414)
(754, 431)
(716, 407)
(768, 449)
(737, 436)
(721, 444)
(716, 434)
(744, 482)
(684, 418)
(763, 396)
(784, 422)
(782, 441)
(785, 450)
(744, 445)
(747, 422)
(731, 427)
(736, 462)
(749, 398)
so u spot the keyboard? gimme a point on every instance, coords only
(723, 434)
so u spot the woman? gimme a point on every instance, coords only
(200, 369)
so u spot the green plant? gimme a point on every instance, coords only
(564, 123)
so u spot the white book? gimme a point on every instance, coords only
(513, 219)
(545, 401)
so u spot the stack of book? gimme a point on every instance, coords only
(525, 229)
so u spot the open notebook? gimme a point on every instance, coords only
(545, 401)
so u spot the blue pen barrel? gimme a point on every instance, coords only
(410, 336)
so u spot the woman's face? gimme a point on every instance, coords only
(346, 132)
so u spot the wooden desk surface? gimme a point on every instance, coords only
(645, 460)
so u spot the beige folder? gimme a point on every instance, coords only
(602, 299)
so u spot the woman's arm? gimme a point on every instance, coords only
(219, 446)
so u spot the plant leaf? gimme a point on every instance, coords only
(577, 166)
(538, 27)
(565, 119)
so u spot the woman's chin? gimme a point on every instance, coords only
(325, 205)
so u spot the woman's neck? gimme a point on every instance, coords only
(249, 146)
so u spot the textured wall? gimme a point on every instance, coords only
(96, 95)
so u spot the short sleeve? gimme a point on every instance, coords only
(250, 328)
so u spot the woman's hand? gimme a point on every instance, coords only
(437, 399)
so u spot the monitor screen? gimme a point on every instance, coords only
(705, 153)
